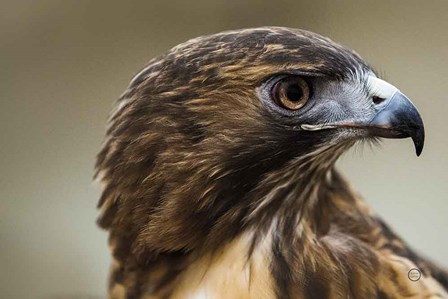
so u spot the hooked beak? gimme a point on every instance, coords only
(393, 117)
(399, 119)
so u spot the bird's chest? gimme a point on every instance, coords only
(229, 273)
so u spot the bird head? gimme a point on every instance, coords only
(207, 131)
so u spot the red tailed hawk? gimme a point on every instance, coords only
(219, 177)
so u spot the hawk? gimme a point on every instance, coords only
(219, 174)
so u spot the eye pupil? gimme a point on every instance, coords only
(294, 93)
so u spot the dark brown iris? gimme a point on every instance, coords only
(291, 93)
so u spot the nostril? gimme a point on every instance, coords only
(377, 100)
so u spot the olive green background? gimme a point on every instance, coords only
(63, 64)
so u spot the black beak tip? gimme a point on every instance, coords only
(419, 141)
(418, 149)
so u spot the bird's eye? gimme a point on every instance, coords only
(290, 93)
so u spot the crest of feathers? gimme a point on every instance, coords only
(202, 185)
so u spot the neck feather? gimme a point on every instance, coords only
(297, 196)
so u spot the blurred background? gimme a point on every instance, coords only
(64, 63)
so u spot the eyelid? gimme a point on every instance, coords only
(305, 74)
(277, 77)
(308, 76)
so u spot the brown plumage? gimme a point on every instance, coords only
(219, 179)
